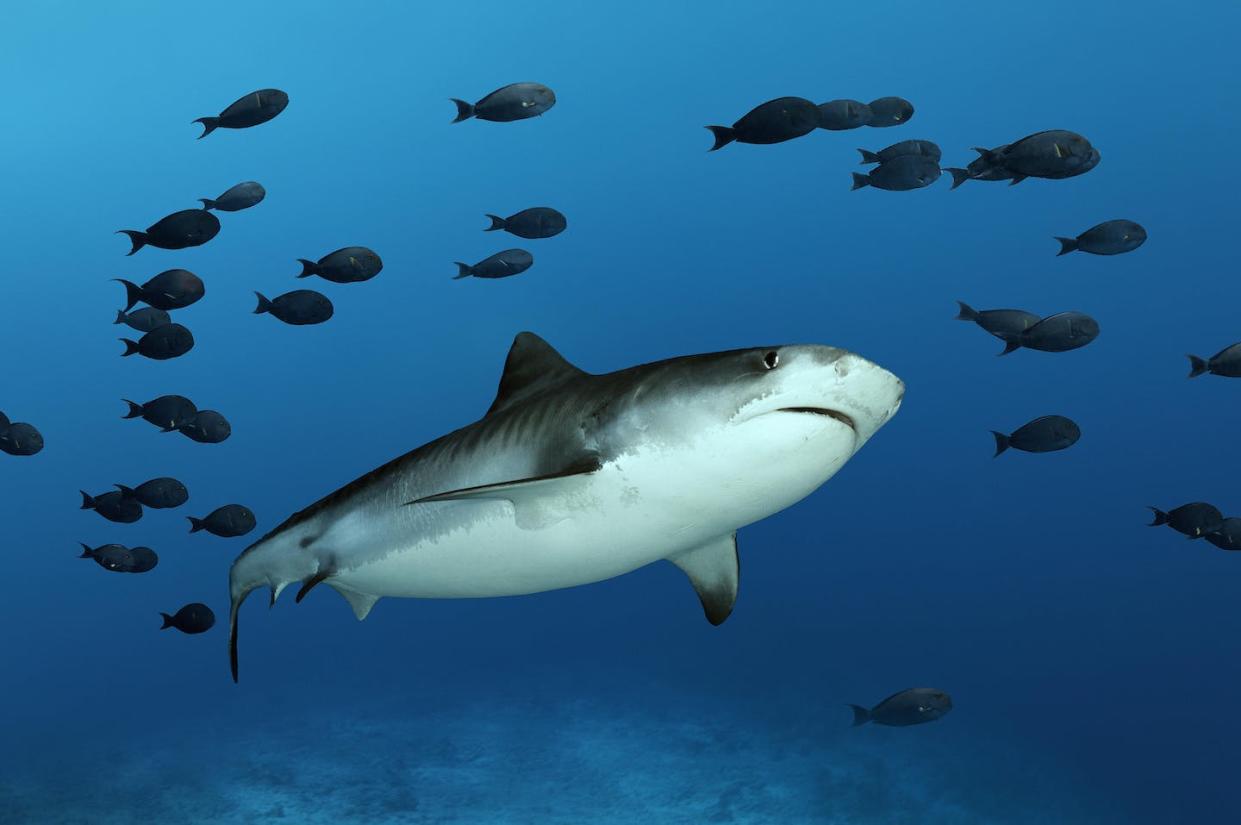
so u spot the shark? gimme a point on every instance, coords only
(572, 478)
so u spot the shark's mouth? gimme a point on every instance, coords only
(836, 414)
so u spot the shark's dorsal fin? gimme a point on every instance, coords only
(533, 365)
(715, 571)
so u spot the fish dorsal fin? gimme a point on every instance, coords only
(533, 365)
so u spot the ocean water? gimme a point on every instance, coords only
(1092, 661)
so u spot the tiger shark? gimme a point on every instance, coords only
(573, 477)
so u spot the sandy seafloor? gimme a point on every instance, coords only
(664, 757)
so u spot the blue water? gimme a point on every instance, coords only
(1093, 661)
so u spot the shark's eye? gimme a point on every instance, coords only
(771, 360)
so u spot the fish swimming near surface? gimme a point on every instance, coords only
(344, 266)
(1226, 362)
(180, 230)
(775, 121)
(236, 198)
(839, 115)
(1108, 238)
(500, 265)
(1195, 519)
(250, 110)
(573, 477)
(170, 289)
(516, 101)
(532, 223)
(909, 707)
(1042, 435)
(168, 412)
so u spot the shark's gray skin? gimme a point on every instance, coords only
(572, 478)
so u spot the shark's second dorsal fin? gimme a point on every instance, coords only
(533, 365)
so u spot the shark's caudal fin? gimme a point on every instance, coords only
(532, 366)
(715, 571)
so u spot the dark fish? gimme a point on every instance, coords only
(516, 101)
(142, 559)
(114, 557)
(114, 506)
(251, 110)
(909, 707)
(19, 438)
(981, 169)
(172, 289)
(1227, 536)
(236, 198)
(1226, 362)
(299, 307)
(161, 343)
(158, 493)
(168, 412)
(193, 618)
(839, 115)
(189, 227)
(1057, 333)
(535, 222)
(1108, 238)
(344, 266)
(500, 265)
(1054, 154)
(207, 427)
(775, 121)
(921, 148)
(1042, 435)
(900, 174)
(143, 320)
(1195, 520)
(889, 111)
(227, 522)
(1005, 324)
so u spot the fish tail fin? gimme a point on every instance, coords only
(135, 410)
(860, 715)
(1067, 245)
(860, 180)
(1197, 366)
(465, 111)
(131, 347)
(1001, 442)
(463, 271)
(967, 312)
(196, 524)
(207, 203)
(88, 501)
(264, 304)
(167, 621)
(128, 492)
(1010, 346)
(308, 268)
(959, 176)
(133, 293)
(1160, 516)
(138, 239)
(868, 157)
(724, 135)
(120, 317)
(209, 125)
(496, 223)
(86, 551)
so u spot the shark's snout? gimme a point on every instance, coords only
(866, 392)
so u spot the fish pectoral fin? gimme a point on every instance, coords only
(360, 602)
(521, 488)
(714, 569)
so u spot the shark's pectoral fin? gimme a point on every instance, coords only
(360, 602)
(715, 571)
(520, 489)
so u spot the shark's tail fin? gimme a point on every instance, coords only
(860, 715)
(1197, 366)
(967, 312)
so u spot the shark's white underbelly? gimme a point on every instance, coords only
(640, 508)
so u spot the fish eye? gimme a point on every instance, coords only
(771, 360)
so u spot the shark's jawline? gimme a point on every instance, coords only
(843, 418)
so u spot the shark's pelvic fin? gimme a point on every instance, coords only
(520, 489)
(715, 571)
(533, 365)
(360, 602)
